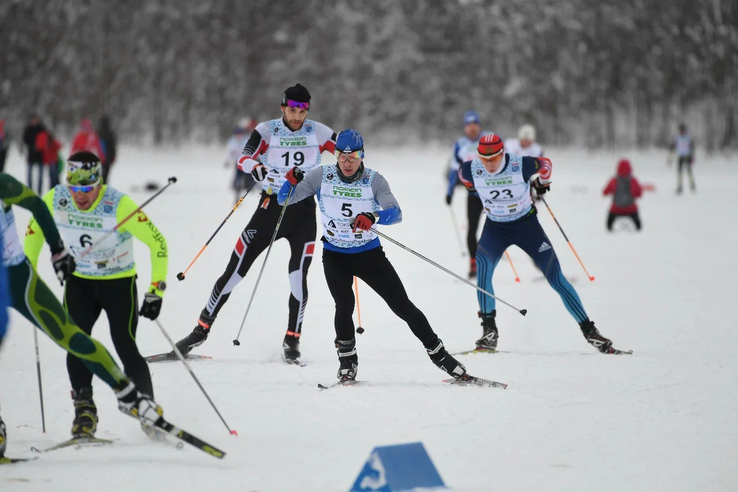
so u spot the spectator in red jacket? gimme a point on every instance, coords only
(48, 146)
(625, 189)
(87, 140)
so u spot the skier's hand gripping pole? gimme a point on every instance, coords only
(181, 275)
(385, 236)
(236, 341)
(189, 369)
(91, 247)
(590, 277)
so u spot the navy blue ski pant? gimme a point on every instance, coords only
(528, 235)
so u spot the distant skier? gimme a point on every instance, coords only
(4, 145)
(465, 149)
(87, 139)
(683, 147)
(503, 182)
(625, 190)
(274, 147)
(525, 144)
(352, 198)
(109, 146)
(236, 143)
(84, 210)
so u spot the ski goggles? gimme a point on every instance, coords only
(83, 188)
(297, 104)
(351, 156)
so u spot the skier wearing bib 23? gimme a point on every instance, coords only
(503, 183)
(352, 198)
(274, 147)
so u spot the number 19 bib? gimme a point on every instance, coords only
(505, 196)
(288, 149)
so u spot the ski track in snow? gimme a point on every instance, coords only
(571, 419)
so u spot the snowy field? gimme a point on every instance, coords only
(572, 419)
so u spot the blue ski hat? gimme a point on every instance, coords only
(471, 117)
(349, 141)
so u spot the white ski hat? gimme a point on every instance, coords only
(527, 132)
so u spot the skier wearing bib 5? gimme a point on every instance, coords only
(352, 198)
(85, 210)
(503, 183)
(274, 147)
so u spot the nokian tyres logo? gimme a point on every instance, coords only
(499, 181)
(346, 192)
(88, 222)
(293, 141)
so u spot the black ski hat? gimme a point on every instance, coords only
(297, 93)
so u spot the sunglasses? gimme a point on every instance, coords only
(82, 188)
(297, 104)
(356, 154)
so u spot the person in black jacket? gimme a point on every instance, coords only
(34, 156)
(109, 144)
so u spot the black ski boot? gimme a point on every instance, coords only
(445, 361)
(489, 333)
(594, 337)
(349, 361)
(291, 346)
(85, 414)
(198, 335)
(3, 437)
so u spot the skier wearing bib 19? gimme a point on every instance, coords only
(30, 296)
(503, 182)
(84, 210)
(274, 147)
(352, 198)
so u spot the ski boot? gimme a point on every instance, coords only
(445, 361)
(85, 414)
(3, 437)
(198, 335)
(489, 333)
(349, 361)
(473, 268)
(291, 346)
(594, 337)
(139, 406)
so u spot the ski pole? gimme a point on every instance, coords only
(517, 279)
(236, 342)
(91, 247)
(360, 329)
(385, 236)
(591, 278)
(181, 275)
(40, 386)
(189, 369)
(456, 231)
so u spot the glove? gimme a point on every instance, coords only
(151, 306)
(259, 172)
(448, 199)
(63, 262)
(364, 221)
(295, 175)
(541, 188)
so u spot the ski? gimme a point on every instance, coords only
(475, 381)
(170, 356)
(77, 442)
(347, 382)
(189, 438)
(476, 351)
(614, 351)
(294, 362)
(4, 460)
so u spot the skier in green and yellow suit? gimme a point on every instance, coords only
(34, 300)
(85, 211)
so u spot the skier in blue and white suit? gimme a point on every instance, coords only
(503, 183)
(352, 198)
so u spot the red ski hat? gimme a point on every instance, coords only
(490, 145)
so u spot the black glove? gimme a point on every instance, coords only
(295, 175)
(63, 262)
(151, 306)
(448, 199)
(541, 188)
(259, 172)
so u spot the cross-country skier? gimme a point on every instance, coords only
(525, 144)
(273, 149)
(464, 149)
(625, 189)
(683, 147)
(32, 298)
(352, 198)
(84, 210)
(503, 182)
(234, 147)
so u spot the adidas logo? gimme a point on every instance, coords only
(544, 247)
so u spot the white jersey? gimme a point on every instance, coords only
(505, 194)
(286, 149)
(81, 229)
(12, 247)
(512, 146)
(683, 145)
(465, 150)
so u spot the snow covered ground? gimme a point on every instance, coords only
(571, 419)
